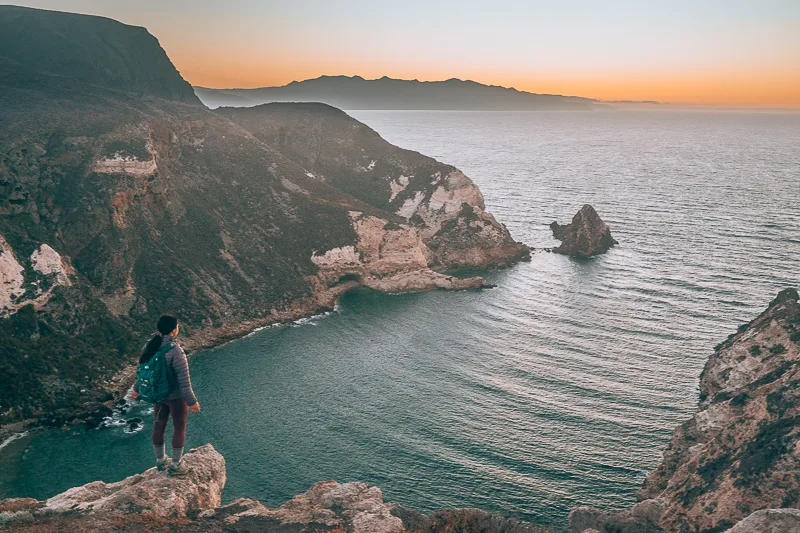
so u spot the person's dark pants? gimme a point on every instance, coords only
(161, 412)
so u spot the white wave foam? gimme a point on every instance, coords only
(12, 438)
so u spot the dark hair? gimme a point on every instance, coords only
(166, 324)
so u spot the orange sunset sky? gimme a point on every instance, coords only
(705, 52)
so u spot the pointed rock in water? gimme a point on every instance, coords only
(585, 236)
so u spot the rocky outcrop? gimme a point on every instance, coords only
(643, 518)
(155, 502)
(769, 521)
(151, 493)
(585, 236)
(343, 506)
(740, 452)
(438, 200)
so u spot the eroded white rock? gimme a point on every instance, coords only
(343, 258)
(398, 185)
(388, 258)
(410, 206)
(12, 279)
(47, 261)
(130, 165)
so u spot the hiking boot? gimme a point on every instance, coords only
(163, 464)
(177, 469)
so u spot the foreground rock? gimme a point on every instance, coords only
(348, 506)
(643, 518)
(769, 521)
(151, 493)
(152, 502)
(740, 453)
(585, 236)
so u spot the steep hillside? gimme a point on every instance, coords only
(95, 50)
(437, 199)
(355, 92)
(739, 454)
(116, 208)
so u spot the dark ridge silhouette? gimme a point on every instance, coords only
(95, 50)
(355, 93)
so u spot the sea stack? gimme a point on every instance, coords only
(585, 236)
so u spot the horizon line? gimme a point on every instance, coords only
(624, 102)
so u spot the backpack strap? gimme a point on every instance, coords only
(167, 348)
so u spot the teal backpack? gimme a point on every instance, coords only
(152, 376)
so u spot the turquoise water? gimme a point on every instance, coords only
(558, 388)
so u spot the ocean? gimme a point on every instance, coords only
(558, 388)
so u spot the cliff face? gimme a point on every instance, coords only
(437, 200)
(116, 208)
(741, 451)
(95, 50)
(736, 462)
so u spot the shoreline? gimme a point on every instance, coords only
(118, 384)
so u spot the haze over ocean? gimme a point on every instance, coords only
(558, 388)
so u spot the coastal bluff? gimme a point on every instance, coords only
(739, 455)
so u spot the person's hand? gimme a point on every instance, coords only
(134, 395)
(195, 408)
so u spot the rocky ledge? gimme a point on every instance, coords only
(585, 236)
(153, 501)
(739, 455)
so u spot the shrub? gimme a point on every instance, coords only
(755, 350)
(777, 349)
(739, 400)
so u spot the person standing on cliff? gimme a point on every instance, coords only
(178, 402)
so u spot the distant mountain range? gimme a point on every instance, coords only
(353, 93)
